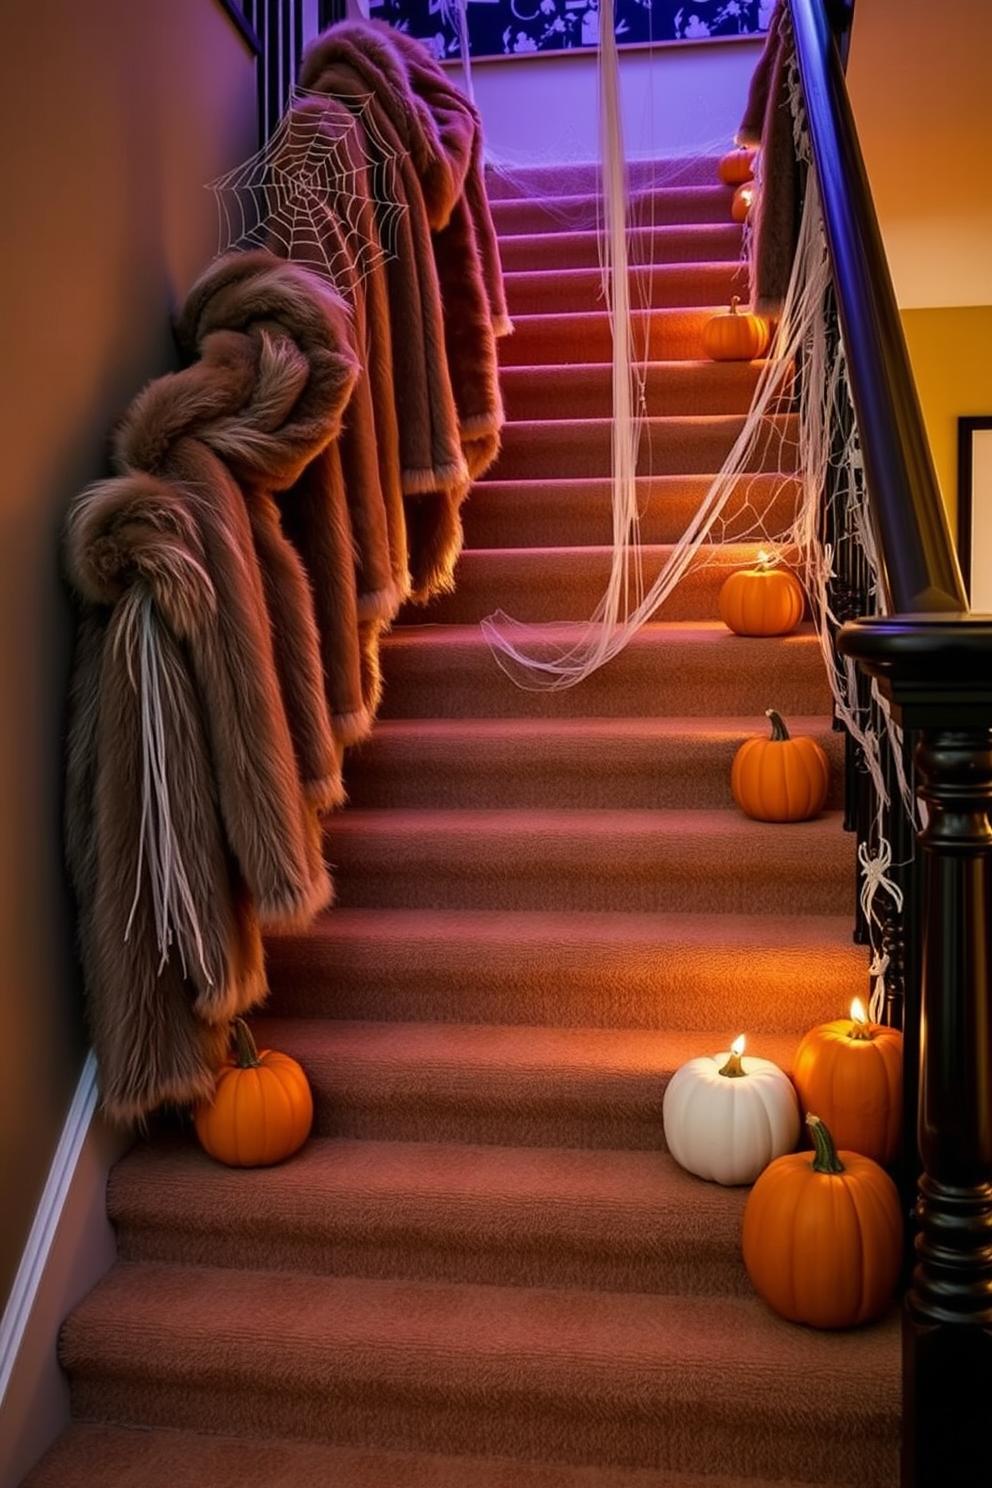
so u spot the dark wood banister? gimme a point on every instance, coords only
(932, 660)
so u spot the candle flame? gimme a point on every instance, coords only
(858, 1014)
(737, 1047)
(764, 557)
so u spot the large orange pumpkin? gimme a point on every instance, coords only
(822, 1235)
(851, 1071)
(262, 1109)
(761, 601)
(737, 166)
(780, 779)
(735, 335)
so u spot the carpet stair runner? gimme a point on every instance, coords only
(484, 1268)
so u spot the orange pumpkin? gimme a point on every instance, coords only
(822, 1238)
(851, 1070)
(742, 201)
(765, 600)
(780, 779)
(262, 1108)
(737, 166)
(735, 335)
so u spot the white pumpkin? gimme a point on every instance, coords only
(727, 1116)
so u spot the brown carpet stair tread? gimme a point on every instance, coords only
(673, 669)
(567, 1217)
(564, 337)
(552, 179)
(535, 291)
(578, 209)
(509, 1363)
(142, 1458)
(610, 972)
(662, 243)
(586, 390)
(581, 762)
(578, 509)
(553, 448)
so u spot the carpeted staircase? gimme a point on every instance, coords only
(484, 1270)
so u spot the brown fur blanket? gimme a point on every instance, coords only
(201, 750)
(441, 289)
(767, 125)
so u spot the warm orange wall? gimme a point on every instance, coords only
(114, 114)
(951, 352)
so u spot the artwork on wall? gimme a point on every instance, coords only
(498, 28)
(975, 509)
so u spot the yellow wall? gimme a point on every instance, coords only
(951, 351)
(114, 114)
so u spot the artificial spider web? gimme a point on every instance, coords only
(322, 190)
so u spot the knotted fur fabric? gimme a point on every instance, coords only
(767, 125)
(441, 289)
(201, 747)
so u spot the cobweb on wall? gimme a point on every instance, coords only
(322, 190)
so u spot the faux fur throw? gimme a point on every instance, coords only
(767, 124)
(201, 748)
(439, 301)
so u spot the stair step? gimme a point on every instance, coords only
(90, 1452)
(615, 972)
(535, 449)
(664, 670)
(562, 338)
(524, 182)
(623, 1221)
(590, 763)
(581, 209)
(630, 1380)
(535, 291)
(702, 242)
(681, 860)
(498, 1085)
(542, 585)
(548, 513)
(669, 388)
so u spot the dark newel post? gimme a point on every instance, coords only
(936, 671)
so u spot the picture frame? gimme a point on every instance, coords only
(504, 28)
(974, 524)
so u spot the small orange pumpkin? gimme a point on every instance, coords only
(822, 1239)
(737, 166)
(262, 1108)
(735, 335)
(780, 779)
(742, 201)
(765, 600)
(851, 1070)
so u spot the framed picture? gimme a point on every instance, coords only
(503, 28)
(975, 509)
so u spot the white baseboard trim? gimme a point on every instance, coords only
(70, 1246)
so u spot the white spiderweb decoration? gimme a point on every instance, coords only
(322, 190)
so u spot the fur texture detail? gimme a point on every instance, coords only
(767, 125)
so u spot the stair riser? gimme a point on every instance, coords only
(552, 513)
(660, 679)
(557, 339)
(702, 243)
(541, 292)
(669, 206)
(430, 772)
(670, 389)
(504, 1420)
(505, 184)
(551, 450)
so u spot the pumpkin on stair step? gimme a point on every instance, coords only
(735, 335)
(262, 1108)
(737, 165)
(764, 600)
(851, 1071)
(742, 201)
(780, 779)
(725, 1118)
(822, 1235)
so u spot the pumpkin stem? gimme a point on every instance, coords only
(779, 730)
(825, 1159)
(733, 1067)
(734, 303)
(246, 1051)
